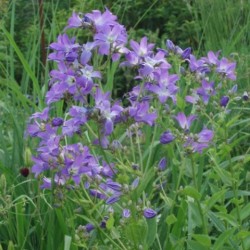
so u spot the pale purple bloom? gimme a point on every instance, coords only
(197, 143)
(135, 183)
(126, 213)
(163, 92)
(227, 68)
(149, 213)
(166, 137)
(170, 45)
(100, 20)
(66, 49)
(112, 199)
(142, 49)
(97, 194)
(184, 121)
(140, 113)
(114, 185)
(110, 38)
(152, 63)
(186, 53)
(46, 183)
(86, 53)
(79, 117)
(77, 21)
(206, 91)
(212, 58)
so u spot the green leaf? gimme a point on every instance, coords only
(110, 222)
(243, 234)
(228, 218)
(180, 102)
(194, 245)
(136, 232)
(245, 212)
(171, 219)
(192, 192)
(203, 239)
(67, 242)
(215, 198)
(11, 246)
(152, 231)
(223, 238)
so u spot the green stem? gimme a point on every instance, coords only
(198, 203)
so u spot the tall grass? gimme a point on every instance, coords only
(225, 25)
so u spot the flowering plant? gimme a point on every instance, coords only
(125, 163)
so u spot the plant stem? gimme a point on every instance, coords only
(198, 203)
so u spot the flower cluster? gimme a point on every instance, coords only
(89, 143)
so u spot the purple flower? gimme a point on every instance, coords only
(76, 21)
(126, 213)
(166, 137)
(56, 122)
(66, 49)
(162, 164)
(100, 20)
(245, 96)
(114, 185)
(143, 49)
(149, 213)
(206, 91)
(186, 53)
(112, 199)
(185, 122)
(135, 183)
(110, 38)
(224, 101)
(170, 45)
(212, 58)
(198, 142)
(97, 194)
(139, 112)
(227, 68)
(89, 227)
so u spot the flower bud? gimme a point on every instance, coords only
(149, 213)
(224, 101)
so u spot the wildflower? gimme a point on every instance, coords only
(126, 213)
(66, 49)
(224, 101)
(245, 96)
(162, 164)
(166, 137)
(56, 122)
(100, 20)
(89, 227)
(227, 68)
(139, 112)
(198, 142)
(206, 91)
(149, 213)
(185, 122)
(112, 199)
(110, 38)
